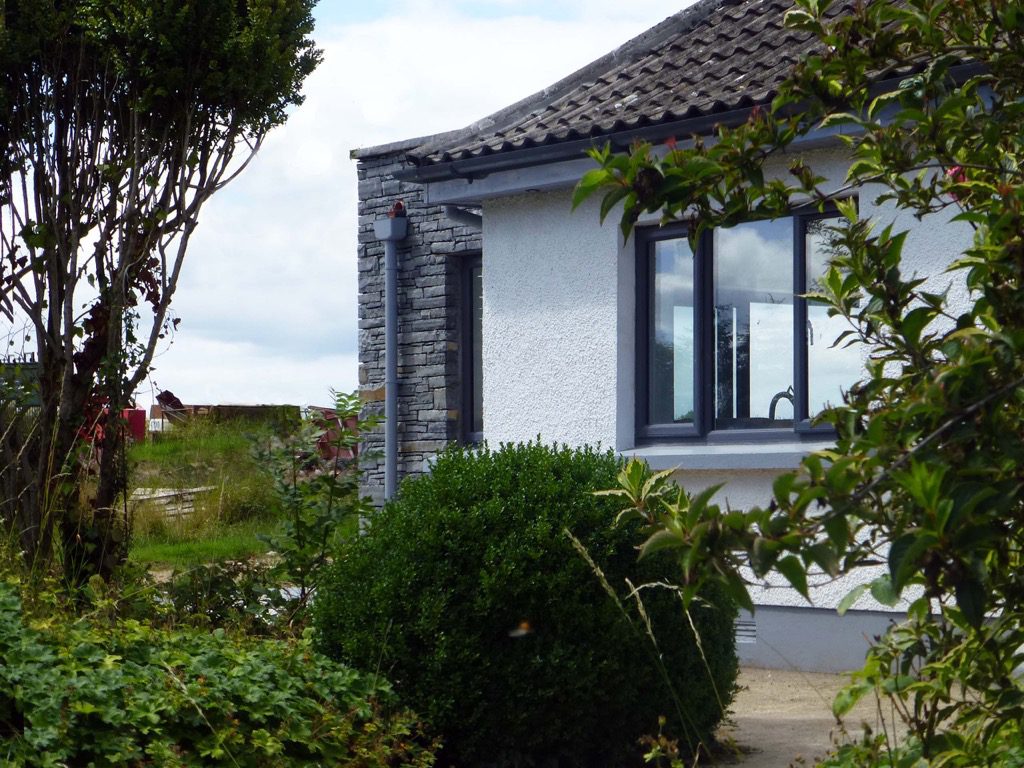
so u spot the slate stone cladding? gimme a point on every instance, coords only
(429, 298)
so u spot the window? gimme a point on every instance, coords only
(472, 357)
(725, 341)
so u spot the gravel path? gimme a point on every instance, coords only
(782, 718)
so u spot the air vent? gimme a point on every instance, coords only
(746, 630)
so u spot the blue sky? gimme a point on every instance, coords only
(268, 293)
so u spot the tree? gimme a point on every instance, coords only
(927, 474)
(120, 118)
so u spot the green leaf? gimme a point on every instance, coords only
(592, 181)
(848, 697)
(824, 556)
(661, 539)
(610, 200)
(795, 574)
(970, 599)
(882, 590)
(850, 598)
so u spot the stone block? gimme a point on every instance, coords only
(375, 395)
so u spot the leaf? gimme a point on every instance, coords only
(795, 574)
(970, 599)
(763, 555)
(736, 589)
(915, 321)
(848, 697)
(592, 180)
(661, 539)
(838, 529)
(610, 200)
(883, 591)
(824, 557)
(850, 598)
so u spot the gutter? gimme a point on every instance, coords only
(391, 230)
(483, 165)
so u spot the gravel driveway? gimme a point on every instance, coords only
(782, 718)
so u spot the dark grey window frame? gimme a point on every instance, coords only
(468, 263)
(702, 429)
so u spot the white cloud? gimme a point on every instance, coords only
(268, 294)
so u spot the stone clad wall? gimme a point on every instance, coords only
(429, 296)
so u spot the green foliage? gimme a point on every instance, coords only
(467, 592)
(319, 494)
(177, 545)
(75, 691)
(123, 117)
(236, 596)
(928, 466)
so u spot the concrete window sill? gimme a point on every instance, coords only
(779, 456)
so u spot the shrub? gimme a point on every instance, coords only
(468, 594)
(75, 692)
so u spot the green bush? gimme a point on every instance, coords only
(83, 693)
(467, 594)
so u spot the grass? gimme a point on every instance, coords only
(230, 542)
(228, 519)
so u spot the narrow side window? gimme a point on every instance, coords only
(471, 344)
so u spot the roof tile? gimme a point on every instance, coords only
(712, 57)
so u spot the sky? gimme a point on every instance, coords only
(267, 299)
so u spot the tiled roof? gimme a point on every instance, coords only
(713, 57)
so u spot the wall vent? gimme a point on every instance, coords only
(746, 630)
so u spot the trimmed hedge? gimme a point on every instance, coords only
(74, 693)
(468, 595)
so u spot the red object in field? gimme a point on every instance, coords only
(135, 419)
(95, 421)
(328, 420)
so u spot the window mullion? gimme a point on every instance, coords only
(704, 364)
(801, 408)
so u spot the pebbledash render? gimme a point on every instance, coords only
(513, 316)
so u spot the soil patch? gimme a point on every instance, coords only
(783, 718)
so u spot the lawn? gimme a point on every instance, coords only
(227, 520)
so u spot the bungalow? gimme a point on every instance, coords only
(511, 316)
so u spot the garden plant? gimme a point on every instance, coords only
(927, 470)
(494, 593)
(85, 690)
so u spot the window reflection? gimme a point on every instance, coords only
(753, 278)
(672, 350)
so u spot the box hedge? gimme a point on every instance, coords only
(468, 595)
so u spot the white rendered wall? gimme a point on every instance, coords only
(549, 321)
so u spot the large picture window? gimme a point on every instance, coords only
(725, 341)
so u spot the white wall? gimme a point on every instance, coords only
(549, 321)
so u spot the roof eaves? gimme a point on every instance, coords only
(403, 145)
(480, 165)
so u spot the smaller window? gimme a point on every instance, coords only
(471, 344)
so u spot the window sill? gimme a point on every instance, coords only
(762, 455)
